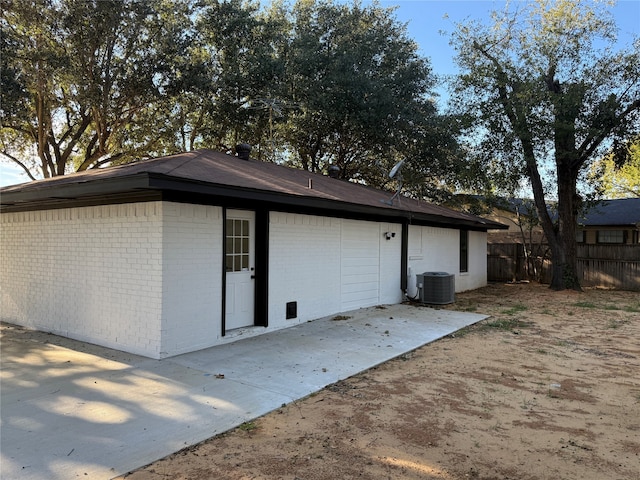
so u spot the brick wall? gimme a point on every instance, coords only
(192, 277)
(433, 249)
(476, 277)
(93, 273)
(304, 266)
(147, 278)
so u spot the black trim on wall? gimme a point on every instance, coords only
(261, 273)
(404, 256)
(261, 314)
(464, 251)
(223, 299)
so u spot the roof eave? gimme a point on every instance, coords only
(75, 191)
(149, 186)
(164, 183)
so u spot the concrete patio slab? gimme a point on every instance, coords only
(71, 409)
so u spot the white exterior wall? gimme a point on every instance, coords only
(147, 277)
(91, 273)
(330, 265)
(433, 249)
(390, 263)
(192, 278)
(476, 277)
(144, 278)
(304, 267)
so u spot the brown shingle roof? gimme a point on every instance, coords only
(206, 172)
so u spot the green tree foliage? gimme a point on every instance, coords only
(89, 82)
(245, 52)
(362, 94)
(547, 92)
(83, 79)
(618, 180)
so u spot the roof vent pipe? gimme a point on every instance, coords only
(334, 171)
(243, 150)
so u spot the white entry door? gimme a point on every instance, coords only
(240, 266)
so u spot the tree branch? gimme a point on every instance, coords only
(553, 85)
(519, 124)
(590, 144)
(106, 160)
(19, 163)
(502, 80)
(86, 120)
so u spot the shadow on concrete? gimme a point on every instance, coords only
(72, 409)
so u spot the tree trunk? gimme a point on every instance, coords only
(565, 260)
(566, 100)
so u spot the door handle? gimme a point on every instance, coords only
(253, 276)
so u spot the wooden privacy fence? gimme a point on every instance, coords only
(615, 266)
(611, 266)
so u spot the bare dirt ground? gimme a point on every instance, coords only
(547, 388)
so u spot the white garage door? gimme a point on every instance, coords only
(360, 249)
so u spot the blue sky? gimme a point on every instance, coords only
(426, 20)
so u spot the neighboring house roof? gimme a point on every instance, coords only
(206, 176)
(624, 211)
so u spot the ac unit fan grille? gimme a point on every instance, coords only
(438, 288)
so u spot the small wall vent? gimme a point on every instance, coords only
(292, 310)
(437, 288)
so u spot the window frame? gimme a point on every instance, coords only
(608, 234)
(464, 251)
(237, 257)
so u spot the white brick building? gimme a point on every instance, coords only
(180, 253)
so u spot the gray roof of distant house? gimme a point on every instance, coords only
(624, 211)
(210, 177)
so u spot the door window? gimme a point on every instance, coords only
(237, 245)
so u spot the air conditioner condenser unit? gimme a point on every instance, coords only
(436, 288)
